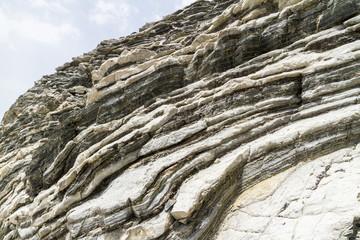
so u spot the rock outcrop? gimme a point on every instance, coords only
(225, 120)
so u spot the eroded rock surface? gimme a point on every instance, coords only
(225, 120)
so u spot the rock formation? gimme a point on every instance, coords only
(225, 120)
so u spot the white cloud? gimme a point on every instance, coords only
(32, 28)
(5, 28)
(156, 17)
(39, 3)
(156, 13)
(50, 5)
(107, 12)
(183, 3)
(56, 6)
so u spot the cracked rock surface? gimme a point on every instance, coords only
(318, 199)
(225, 120)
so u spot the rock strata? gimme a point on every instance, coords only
(225, 120)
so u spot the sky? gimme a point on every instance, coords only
(36, 36)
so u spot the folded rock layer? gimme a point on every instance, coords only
(225, 120)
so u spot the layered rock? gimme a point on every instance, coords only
(225, 120)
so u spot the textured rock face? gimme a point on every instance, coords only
(225, 120)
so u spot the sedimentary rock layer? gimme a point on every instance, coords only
(225, 120)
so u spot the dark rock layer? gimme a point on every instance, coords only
(155, 135)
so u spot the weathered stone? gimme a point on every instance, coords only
(225, 120)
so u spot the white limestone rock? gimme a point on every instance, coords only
(313, 200)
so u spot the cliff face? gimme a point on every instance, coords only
(225, 120)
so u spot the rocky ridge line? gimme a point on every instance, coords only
(175, 132)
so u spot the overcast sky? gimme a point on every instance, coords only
(36, 36)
